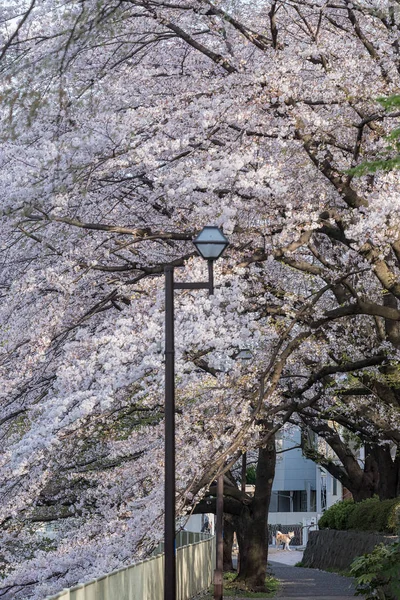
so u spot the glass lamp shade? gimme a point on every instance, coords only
(211, 242)
(244, 354)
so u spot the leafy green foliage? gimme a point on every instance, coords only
(368, 515)
(390, 102)
(374, 515)
(383, 164)
(392, 159)
(336, 516)
(378, 573)
(251, 475)
(391, 376)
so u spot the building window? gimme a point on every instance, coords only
(303, 501)
(284, 501)
(334, 487)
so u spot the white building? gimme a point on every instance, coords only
(301, 491)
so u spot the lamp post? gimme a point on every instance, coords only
(210, 243)
(219, 567)
(243, 355)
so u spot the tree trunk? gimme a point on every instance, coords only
(379, 475)
(229, 530)
(387, 471)
(252, 525)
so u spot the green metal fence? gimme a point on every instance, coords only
(195, 562)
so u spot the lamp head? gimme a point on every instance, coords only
(244, 354)
(210, 242)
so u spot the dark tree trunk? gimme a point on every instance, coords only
(380, 474)
(387, 470)
(249, 517)
(252, 525)
(229, 530)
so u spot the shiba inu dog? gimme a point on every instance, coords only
(284, 538)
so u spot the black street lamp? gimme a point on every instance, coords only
(210, 244)
(219, 539)
(244, 355)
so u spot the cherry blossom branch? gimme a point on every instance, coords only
(18, 28)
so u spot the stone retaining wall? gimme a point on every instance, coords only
(328, 548)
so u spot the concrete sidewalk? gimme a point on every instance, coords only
(286, 557)
(298, 583)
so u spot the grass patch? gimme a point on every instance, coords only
(239, 589)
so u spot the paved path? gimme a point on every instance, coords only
(300, 583)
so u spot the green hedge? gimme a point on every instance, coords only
(369, 515)
(336, 516)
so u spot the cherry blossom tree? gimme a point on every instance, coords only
(126, 126)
